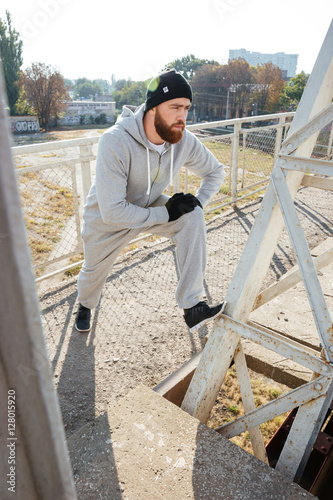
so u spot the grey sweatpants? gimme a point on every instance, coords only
(189, 235)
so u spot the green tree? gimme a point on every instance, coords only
(103, 84)
(119, 84)
(103, 118)
(129, 92)
(292, 93)
(11, 56)
(21, 106)
(87, 89)
(188, 65)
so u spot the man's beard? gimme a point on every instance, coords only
(166, 132)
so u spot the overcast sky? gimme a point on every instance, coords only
(136, 38)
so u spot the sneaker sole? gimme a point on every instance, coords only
(82, 331)
(202, 323)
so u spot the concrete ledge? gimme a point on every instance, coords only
(146, 447)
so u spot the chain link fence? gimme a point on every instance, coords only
(52, 194)
(138, 333)
(51, 213)
(52, 180)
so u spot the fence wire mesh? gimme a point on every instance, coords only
(51, 214)
(138, 308)
(52, 206)
(256, 157)
(323, 147)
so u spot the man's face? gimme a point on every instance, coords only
(170, 119)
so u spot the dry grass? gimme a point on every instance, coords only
(228, 405)
(46, 206)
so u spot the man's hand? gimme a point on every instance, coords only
(181, 204)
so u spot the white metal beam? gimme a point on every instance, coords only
(244, 382)
(306, 165)
(199, 398)
(266, 231)
(253, 266)
(303, 434)
(285, 403)
(273, 342)
(315, 295)
(318, 182)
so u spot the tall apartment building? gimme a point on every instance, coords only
(286, 62)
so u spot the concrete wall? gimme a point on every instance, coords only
(24, 124)
(77, 111)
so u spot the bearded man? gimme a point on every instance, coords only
(137, 159)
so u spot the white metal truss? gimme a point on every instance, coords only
(225, 341)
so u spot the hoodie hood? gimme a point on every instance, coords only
(131, 120)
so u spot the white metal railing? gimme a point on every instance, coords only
(226, 143)
(238, 137)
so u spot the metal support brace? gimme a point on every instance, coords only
(315, 294)
(303, 434)
(314, 111)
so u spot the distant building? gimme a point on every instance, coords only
(286, 62)
(81, 111)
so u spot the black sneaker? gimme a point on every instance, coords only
(198, 315)
(82, 322)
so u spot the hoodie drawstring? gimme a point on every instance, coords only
(171, 167)
(148, 170)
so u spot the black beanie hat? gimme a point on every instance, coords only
(167, 85)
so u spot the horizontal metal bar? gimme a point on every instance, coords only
(58, 271)
(35, 168)
(51, 145)
(265, 181)
(317, 182)
(235, 121)
(306, 165)
(247, 131)
(217, 138)
(236, 201)
(57, 259)
(287, 402)
(284, 347)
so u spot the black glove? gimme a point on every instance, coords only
(181, 204)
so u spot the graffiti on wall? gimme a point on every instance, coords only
(21, 125)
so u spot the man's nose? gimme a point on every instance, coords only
(182, 115)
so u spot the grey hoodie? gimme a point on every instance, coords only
(131, 175)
